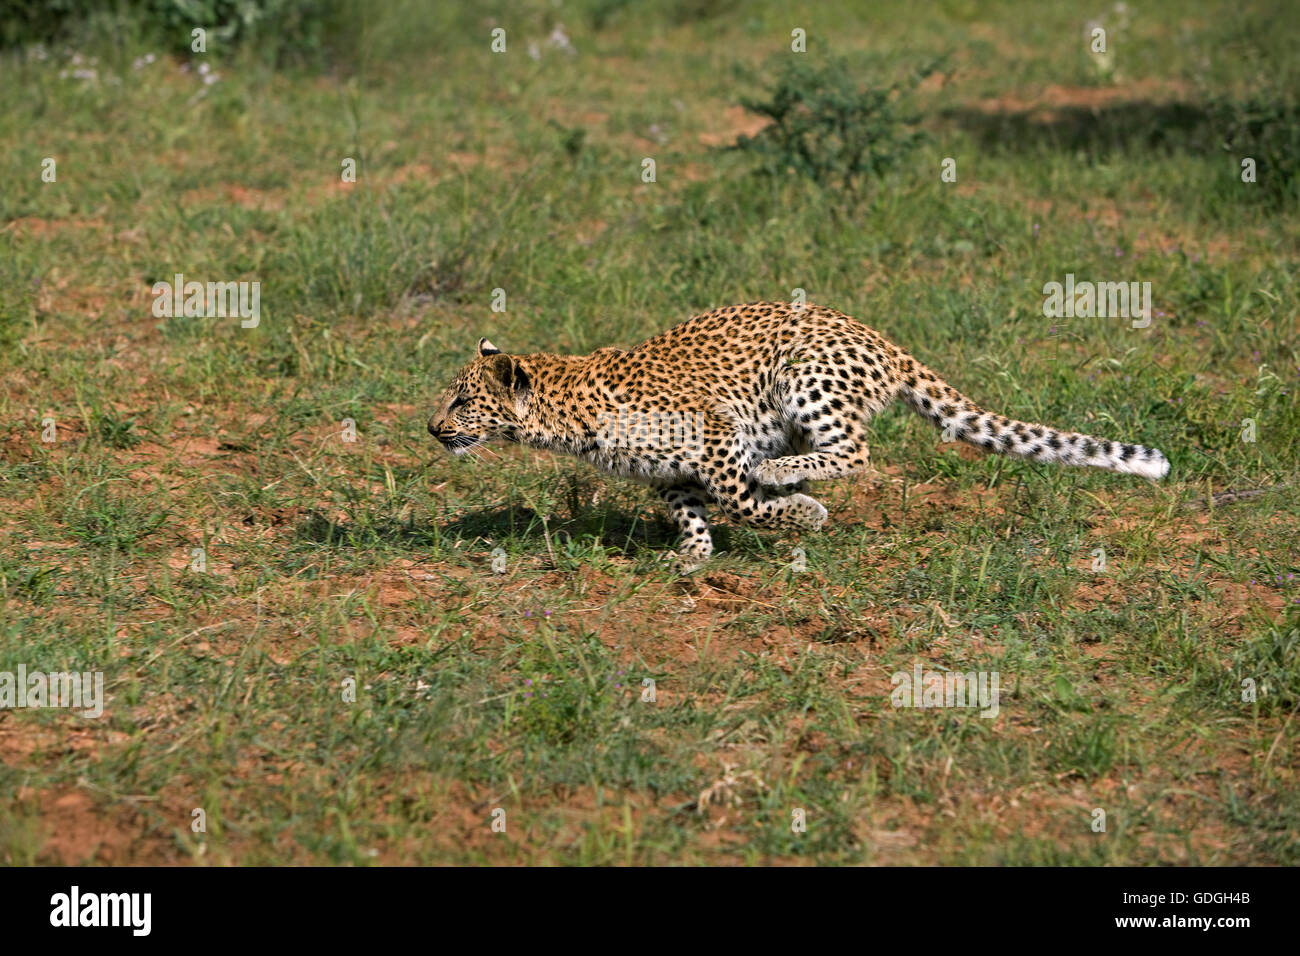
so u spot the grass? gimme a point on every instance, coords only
(350, 681)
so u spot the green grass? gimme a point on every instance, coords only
(369, 564)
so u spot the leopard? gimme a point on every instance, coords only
(737, 409)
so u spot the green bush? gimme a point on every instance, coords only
(1268, 131)
(298, 24)
(828, 126)
(41, 22)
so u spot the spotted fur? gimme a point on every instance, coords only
(746, 403)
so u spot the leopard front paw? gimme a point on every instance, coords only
(681, 562)
(769, 474)
(811, 513)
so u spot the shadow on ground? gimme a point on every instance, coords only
(1097, 130)
(614, 530)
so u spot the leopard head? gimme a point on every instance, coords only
(487, 399)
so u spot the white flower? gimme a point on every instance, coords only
(560, 40)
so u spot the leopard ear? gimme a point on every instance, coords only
(507, 370)
(487, 348)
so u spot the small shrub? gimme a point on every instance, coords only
(828, 126)
(1268, 131)
(568, 689)
(113, 430)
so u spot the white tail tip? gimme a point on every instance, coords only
(1155, 467)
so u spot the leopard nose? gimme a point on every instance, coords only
(433, 427)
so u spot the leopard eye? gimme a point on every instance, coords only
(457, 404)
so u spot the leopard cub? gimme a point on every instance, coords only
(737, 408)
